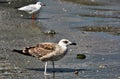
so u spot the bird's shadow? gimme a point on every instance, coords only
(58, 69)
(4, 2)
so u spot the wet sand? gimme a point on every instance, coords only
(102, 49)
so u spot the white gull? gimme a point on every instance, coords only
(32, 8)
(47, 51)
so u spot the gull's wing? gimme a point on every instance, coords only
(40, 49)
(29, 8)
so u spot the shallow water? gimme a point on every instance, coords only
(93, 24)
(79, 13)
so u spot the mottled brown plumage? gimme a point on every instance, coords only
(43, 49)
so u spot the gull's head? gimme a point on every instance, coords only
(40, 3)
(65, 42)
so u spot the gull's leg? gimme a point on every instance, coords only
(45, 71)
(53, 66)
(45, 68)
(33, 16)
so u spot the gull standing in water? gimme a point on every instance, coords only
(32, 8)
(47, 51)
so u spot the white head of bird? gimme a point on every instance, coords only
(40, 3)
(65, 42)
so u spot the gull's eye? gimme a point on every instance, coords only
(65, 42)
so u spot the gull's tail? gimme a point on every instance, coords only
(21, 52)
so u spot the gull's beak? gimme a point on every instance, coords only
(73, 44)
(43, 4)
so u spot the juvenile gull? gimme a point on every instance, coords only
(32, 8)
(47, 51)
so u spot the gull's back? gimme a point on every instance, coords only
(32, 8)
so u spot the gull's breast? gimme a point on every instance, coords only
(58, 54)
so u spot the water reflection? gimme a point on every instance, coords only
(49, 76)
(107, 29)
(86, 2)
(98, 16)
(58, 73)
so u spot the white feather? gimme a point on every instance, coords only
(32, 8)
